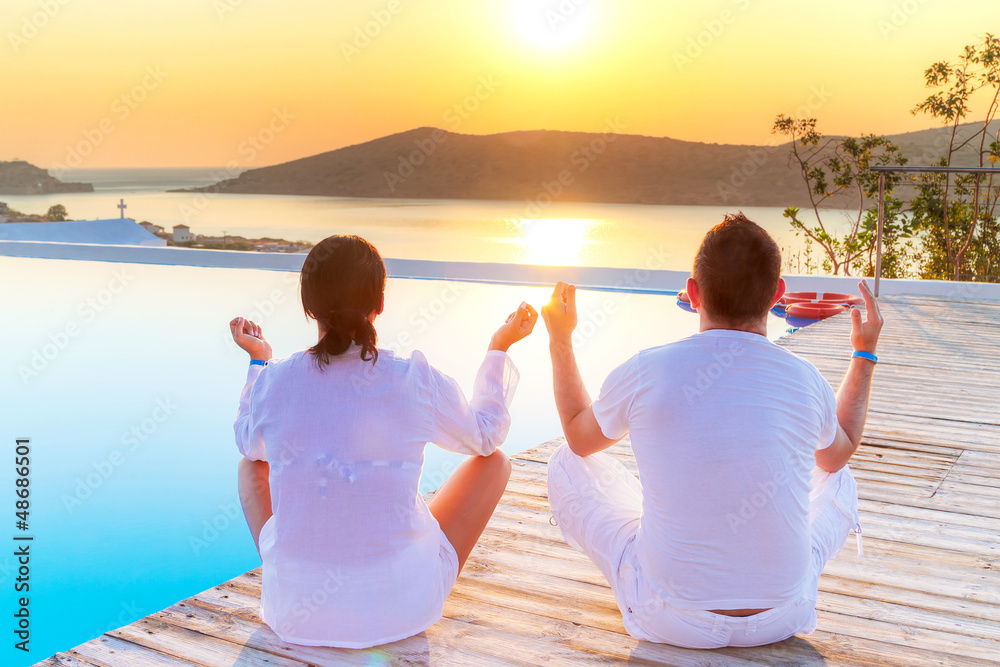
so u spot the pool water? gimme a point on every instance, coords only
(126, 381)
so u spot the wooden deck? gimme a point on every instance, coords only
(928, 592)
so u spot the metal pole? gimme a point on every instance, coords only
(878, 238)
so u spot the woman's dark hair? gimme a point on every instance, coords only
(737, 270)
(342, 281)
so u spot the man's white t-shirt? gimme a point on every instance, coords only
(724, 426)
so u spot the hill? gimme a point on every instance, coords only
(430, 163)
(20, 178)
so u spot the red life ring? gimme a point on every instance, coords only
(821, 297)
(814, 311)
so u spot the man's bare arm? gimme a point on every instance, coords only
(855, 390)
(576, 413)
(852, 410)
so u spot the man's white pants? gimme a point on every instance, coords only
(597, 503)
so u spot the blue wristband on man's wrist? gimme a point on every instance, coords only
(865, 355)
(258, 362)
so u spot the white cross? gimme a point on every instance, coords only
(122, 206)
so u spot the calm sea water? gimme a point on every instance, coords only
(570, 234)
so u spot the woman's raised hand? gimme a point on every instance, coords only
(518, 325)
(248, 336)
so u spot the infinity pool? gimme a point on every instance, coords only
(126, 381)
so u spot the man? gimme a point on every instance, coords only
(742, 450)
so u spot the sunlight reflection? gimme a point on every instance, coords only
(555, 241)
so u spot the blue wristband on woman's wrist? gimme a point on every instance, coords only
(865, 355)
(258, 362)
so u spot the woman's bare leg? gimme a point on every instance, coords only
(464, 504)
(255, 495)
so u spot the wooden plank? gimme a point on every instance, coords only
(939, 621)
(65, 660)
(890, 493)
(962, 486)
(195, 647)
(106, 651)
(981, 460)
(908, 635)
(876, 507)
(916, 601)
(944, 583)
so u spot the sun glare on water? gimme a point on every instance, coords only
(554, 241)
(553, 24)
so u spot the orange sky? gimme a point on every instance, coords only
(116, 83)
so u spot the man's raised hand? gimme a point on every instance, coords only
(865, 331)
(560, 312)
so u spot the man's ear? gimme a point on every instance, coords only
(381, 304)
(693, 295)
(780, 292)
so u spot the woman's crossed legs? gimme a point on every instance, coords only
(462, 506)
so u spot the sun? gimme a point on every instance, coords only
(553, 25)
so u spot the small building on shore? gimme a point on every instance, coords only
(182, 234)
(153, 229)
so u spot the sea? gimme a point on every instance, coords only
(518, 232)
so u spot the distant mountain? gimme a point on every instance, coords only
(925, 146)
(20, 178)
(543, 165)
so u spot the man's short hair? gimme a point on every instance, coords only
(737, 269)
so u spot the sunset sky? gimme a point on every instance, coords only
(186, 82)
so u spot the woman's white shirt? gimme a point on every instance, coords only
(352, 556)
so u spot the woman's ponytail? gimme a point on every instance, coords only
(344, 327)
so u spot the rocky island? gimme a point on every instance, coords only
(18, 177)
(543, 165)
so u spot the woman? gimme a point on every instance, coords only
(333, 440)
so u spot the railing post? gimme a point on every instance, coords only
(878, 237)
